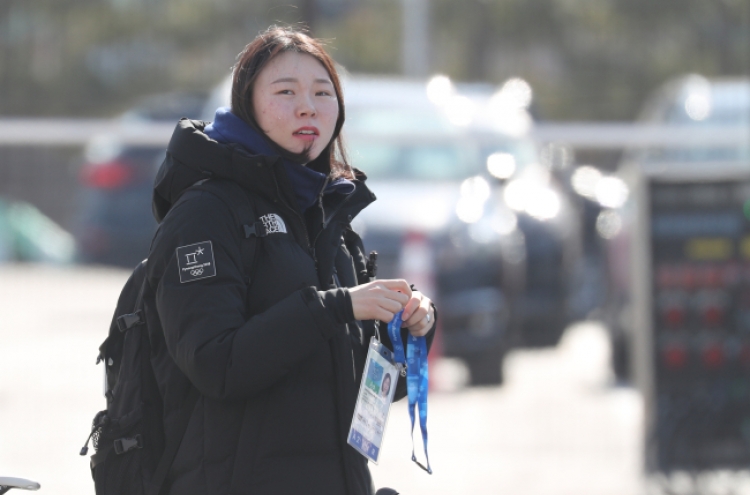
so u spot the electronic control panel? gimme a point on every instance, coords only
(700, 278)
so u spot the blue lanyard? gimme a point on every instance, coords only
(416, 379)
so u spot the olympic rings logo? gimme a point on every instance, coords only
(196, 272)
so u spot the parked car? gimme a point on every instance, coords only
(114, 224)
(697, 102)
(474, 196)
(535, 187)
(439, 221)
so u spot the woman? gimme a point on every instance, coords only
(385, 387)
(278, 358)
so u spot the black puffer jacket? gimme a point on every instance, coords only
(276, 361)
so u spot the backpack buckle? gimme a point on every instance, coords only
(123, 445)
(258, 229)
(128, 321)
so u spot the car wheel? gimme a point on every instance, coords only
(621, 358)
(544, 331)
(486, 368)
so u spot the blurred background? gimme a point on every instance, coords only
(569, 180)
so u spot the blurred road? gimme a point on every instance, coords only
(555, 428)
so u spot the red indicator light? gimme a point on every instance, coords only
(713, 316)
(688, 279)
(674, 317)
(675, 357)
(713, 357)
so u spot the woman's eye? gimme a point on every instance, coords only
(323, 93)
(285, 92)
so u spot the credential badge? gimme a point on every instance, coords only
(196, 261)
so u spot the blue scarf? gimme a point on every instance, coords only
(306, 183)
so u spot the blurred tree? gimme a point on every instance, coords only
(586, 59)
(591, 59)
(368, 39)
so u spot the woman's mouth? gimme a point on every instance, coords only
(307, 133)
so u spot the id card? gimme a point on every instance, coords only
(374, 401)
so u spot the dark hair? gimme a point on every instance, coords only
(251, 61)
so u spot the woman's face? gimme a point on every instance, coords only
(386, 386)
(295, 103)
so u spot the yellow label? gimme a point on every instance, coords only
(707, 248)
(745, 247)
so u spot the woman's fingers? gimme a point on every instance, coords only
(380, 299)
(416, 317)
(421, 327)
(420, 330)
(384, 315)
(399, 286)
(412, 305)
(422, 317)
(390, 305)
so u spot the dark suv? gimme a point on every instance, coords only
(468, 212)
(114, 225)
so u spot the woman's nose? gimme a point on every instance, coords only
(306, 107)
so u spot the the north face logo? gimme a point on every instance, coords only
(273, 223)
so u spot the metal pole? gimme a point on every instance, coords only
(415, 48)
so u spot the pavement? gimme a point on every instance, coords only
(556, 427)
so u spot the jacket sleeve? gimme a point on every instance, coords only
(225, 353)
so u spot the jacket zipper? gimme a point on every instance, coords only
(298, 216)
(323, 216)
(327, 221)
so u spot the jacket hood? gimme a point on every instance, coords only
(307, 182)
(193, 156)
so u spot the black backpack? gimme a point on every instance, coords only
(132, 456)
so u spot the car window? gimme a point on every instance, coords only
(415, 143)
(725, 105)
(729, 115)
(396, 121)
(383, 160)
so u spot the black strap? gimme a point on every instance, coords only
(173, 444)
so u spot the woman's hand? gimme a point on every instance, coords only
(418, 314)
(379, 300)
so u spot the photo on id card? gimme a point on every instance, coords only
(374, 401)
